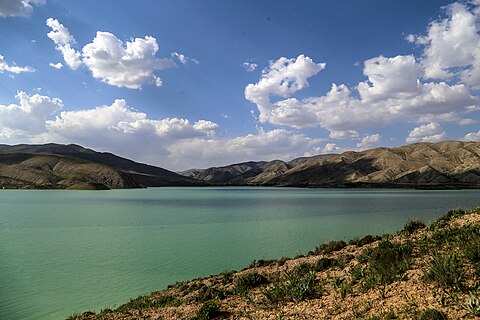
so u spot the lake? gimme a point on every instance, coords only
(70, 251)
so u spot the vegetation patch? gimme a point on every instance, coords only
(249, 281)
(296, 285)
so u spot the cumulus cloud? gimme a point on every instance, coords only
(57, 66)
(12, 8)
(264, 145)
(129, 64)
(249, 66)
(430, 132)
(27, 118)
(392, 92)
(281, 78)
(452, 45)
(369, 142)
(4, 66)
(472, 136)
(329, 148)
(64, 41)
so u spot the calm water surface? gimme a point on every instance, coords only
(69, 251)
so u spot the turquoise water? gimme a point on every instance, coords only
(69, 251)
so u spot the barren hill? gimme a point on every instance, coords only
(72, 166)
(442, 164)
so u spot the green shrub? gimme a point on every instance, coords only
(297, 285)
(472, 305)
(345, 289)
(227, 276)
(387, 262)
(364, 241)
(325, 263)
(471, 249)
(207, 293)
(249, 281)
(147, 302)
(208, 310)
(330, 247)
(413, 226)
(445, 271)
(433, 314)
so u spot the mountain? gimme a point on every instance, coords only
(430, 165)
(72, 166)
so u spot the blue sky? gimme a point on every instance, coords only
(184, 84)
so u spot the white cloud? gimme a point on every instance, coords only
(329, 148)
(58, 65)
(369, 142)
(183, 59)
(265, 145)
(282, 78)
(4, 66)
(63, 41)
(249, 66)
(390, 78)
(12, 8)
(452, 45)
(392, 92)
(343, 134)
(27, 118)
(430, 132)
(466, 122)
(472, 136)
(129, 64)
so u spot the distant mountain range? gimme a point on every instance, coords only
(451, 164)
(72, 166)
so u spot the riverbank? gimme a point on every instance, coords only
(422, 272)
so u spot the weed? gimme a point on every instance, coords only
(325, 263)
(227, 276)
(445, 271)
(472, 305)
(297, 285)
(249, 281)
(345, 289)
(387, 262)
(330, 247)
(413, 226)
(208, 310)
(147, 302)
(433, 314)
(207, 293)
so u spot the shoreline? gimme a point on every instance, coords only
(336, 275)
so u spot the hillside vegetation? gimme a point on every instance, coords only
(422, 272)
(442, 164)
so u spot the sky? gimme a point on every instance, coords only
(193, 84)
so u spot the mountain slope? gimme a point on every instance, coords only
(72, 166)
(449, 163)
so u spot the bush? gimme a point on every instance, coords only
(364, 241)
(330, 247)
(325, 263)
(445, 271)
(433, 314)
(147, 302)
(249, 281)
(208, 310)
(207, 293)
(413, 226)
(388, 261)
(297, 285)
